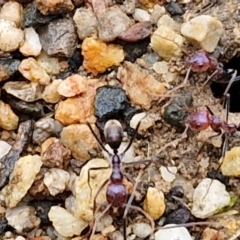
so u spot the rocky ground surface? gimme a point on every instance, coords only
(66, 63)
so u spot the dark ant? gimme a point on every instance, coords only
(116, 193)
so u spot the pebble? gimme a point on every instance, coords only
(54, 154)
(162, 68)
(50, 93)
(168, 173)
(99, 56)
(72, 86)
(11, 37)
(31, 45)
(8, 119)
(148, 4)
(84, 194)
(4, 148)
(59, 38)
(56, 180)
(112, 23)
(78, 109)
(12, 11)
(154, 203)
(203, 31)
(21, 238)
(209, 199)
(157, 12)
(167, 21)
(47, 7)
(8, 67)
(141, 15)
(26, 91)
(22, 218)
(179, 233)
(79, 140)
(24, 173)
(104, 222)
(86, 23)
(212, 234)
(65, 223)
(178, 216)
(174, 9)
(32, 71)
(167, 43)
(231, 163)
(142, 230)
(146, 87)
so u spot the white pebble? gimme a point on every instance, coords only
(169, 173)
(141, 15)
(142, 230)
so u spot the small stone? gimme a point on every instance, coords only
(174, 9)
(178, 216)
(231, 163)
(4, 148)
(12, 11)
(142, 230)
(212, 234)
(31, 45)
(54, 154)
(11, 37)
(24, 173)
(157, 12)
(47, 7)
(209, 197)
(86, 23)
(85, 194)
(29, 92)
(79, 140)
(179, 233)
(32, 71)
(148, 4)
(21, 238)
(59, 38)
(50, 93)
(8, 67)
(162, 68)
(140, 86)
(65, 223)
(168, 173)
(72, 86)
(99, 56)
(51, 65)
(8, 119)
(22, 218)
(112, 23)
(103, 223)
(56, 180)
(167, 21)
(78, 109)
(203, 32)
(167, 43)
(154, 203)
(141, 15)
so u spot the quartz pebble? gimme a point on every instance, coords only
(141, 15)
(180, 233)
(79, 140)
(26, 91)
(231, 163)
(11, 37)
(150, 3)
(25, 170)
(112, 23)
(65, 223)
(142, 230)
(56, 180)
(72, 86)
(139, 85)
(50, 93)
(31, 45)
(86, 22)
(22, 218)
(168, 173)
(203, 31)
(4, 148)
(154, 203)
(12, 11)
(32, 71)
(157, 12)
(167, 21)
(84, 193)
(99, 56)
(209, 197)
(8, 119)
(167, 43)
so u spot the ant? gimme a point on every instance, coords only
(116, 193)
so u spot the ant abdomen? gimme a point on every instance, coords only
(199, 120)
(116, 194)
(113, 133)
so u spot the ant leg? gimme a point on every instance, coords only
(97, 219)
(96, 137)
(230, 83)
(209, 78)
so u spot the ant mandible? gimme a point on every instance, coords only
(116, 193)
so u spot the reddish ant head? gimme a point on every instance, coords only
(230, 128)
(199, 120)
(113, 133)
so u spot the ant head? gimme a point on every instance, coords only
(113, 133)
